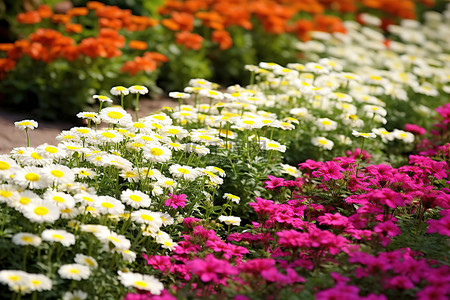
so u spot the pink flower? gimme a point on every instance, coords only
(441, 226)
(340, 291)
(176, 201)
(274, 182)
(333, 220)
(434, 292)
(415, 129)
(357, 154)
(211, 269)
(399, 282)
(262, 206)
(189, 222)
(329, 170)
(387, 227)
(159, 262)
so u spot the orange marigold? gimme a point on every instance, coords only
(78, 11)
(31, 17)
(73, 28)
(222, 37)
(61, 19)
(137, 45)
(189, 40)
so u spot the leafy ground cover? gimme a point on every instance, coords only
(316, 180)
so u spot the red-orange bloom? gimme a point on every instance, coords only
(170, 24)
(156, 56)
(31, 17)
(78, 11)
(73, 28)
(223, 38)
(110, 23)
(61, 19)
(94, 5)
(189, 40)
(6, 46)
(45, 11)
(137, 45)
(6, 65)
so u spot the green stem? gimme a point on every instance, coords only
(121, 99)
(137, 106)
(28, 137)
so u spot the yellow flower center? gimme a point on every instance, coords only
(41, 210)
(57, 236)
(173, 131)
(83, 130)
(27, 239)
(248, 122)
(108, 135)
(159, 118)
(115, 115)
(88, 199)
(156, 151)
(74, 271)
(326, 122)
(57, 173)
(14, 278)
(147, 217)
(26, 123)
(114, 239)
(139, 125)
(35, 282)
(58, 199)
(140, 284)
(35, 155)
(136, 198)
(204, 137)
(403, 135)
(183, 170)
(51, 149)
(4, 165)
(32, 177)
(89, 262)
(5, 194)
(24, 200)
(107, 205)
(272, 145)
(129, 174)
(66, 210)
(120, 88)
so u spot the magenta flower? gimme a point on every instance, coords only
(274, 182)
(176, 201)
(415, 129)
(329, 170)
(211, 269)
(333, 220)
(441, 226)
(388, 227)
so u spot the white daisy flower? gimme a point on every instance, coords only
(84, 172)
(89, 115)
(109, 205)
(385, 135)
(56, 235)
(144, 216)
(30, 157)
(179, 95)
(141, 281)
(291, 170)
(8, 193)
(67, 135)
(166, 219)
(374, 109)
(326, 124)
(103, 99)
(234, 198)
(216, 170)
(60, 199)
(58, 174)
(272, 145)
(154, 152)
(131, 175)
(405, 136)
(18, 281)
(26, 124)
(74, 272)
(138, 89)
(25, 239)
(41, 211)
(50, 151)
(212, 177)
(31, 177)
(86, 260)
(7, 166)
(185, 172)
(70, 213)
(119, 90)
(109, 136)
(364, 134)
(230, 220)
(135, 199)
(39, 282)
(127, 255)
(115, 115)
(85, 198)
(25, 197)
(119, 241)
(322, 142)
(247, 123)
(95, 229)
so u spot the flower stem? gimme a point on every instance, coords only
(28, 137)
(137, 106)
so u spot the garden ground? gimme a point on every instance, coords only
(11, 137)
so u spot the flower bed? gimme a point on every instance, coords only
(79, 53)
(198, 200)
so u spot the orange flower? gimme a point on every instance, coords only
(189, 40)
(73, 28)
(20, 48)
(6, 65)
(6, 46)
(45, 11)
(77, 11)
(137, 45)
(110, 23)
(170, 24)
(156, 56)
(31, 17)
(148, 63)
(61, 19)
(94, 5)
(223, 38)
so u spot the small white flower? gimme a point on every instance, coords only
(40, 211)
(102, 98)
(24, 239)
(75, 295)
(86, 260)
(234, 198)
(229, 220)
(322, 142)
(135, 199)
(119, 90)
(135, 89)
(74, 271)
(141, 281)
(179, 95)
(26, 124)
(364, 134)
(53, 235)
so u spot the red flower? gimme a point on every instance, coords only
(189, 40)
